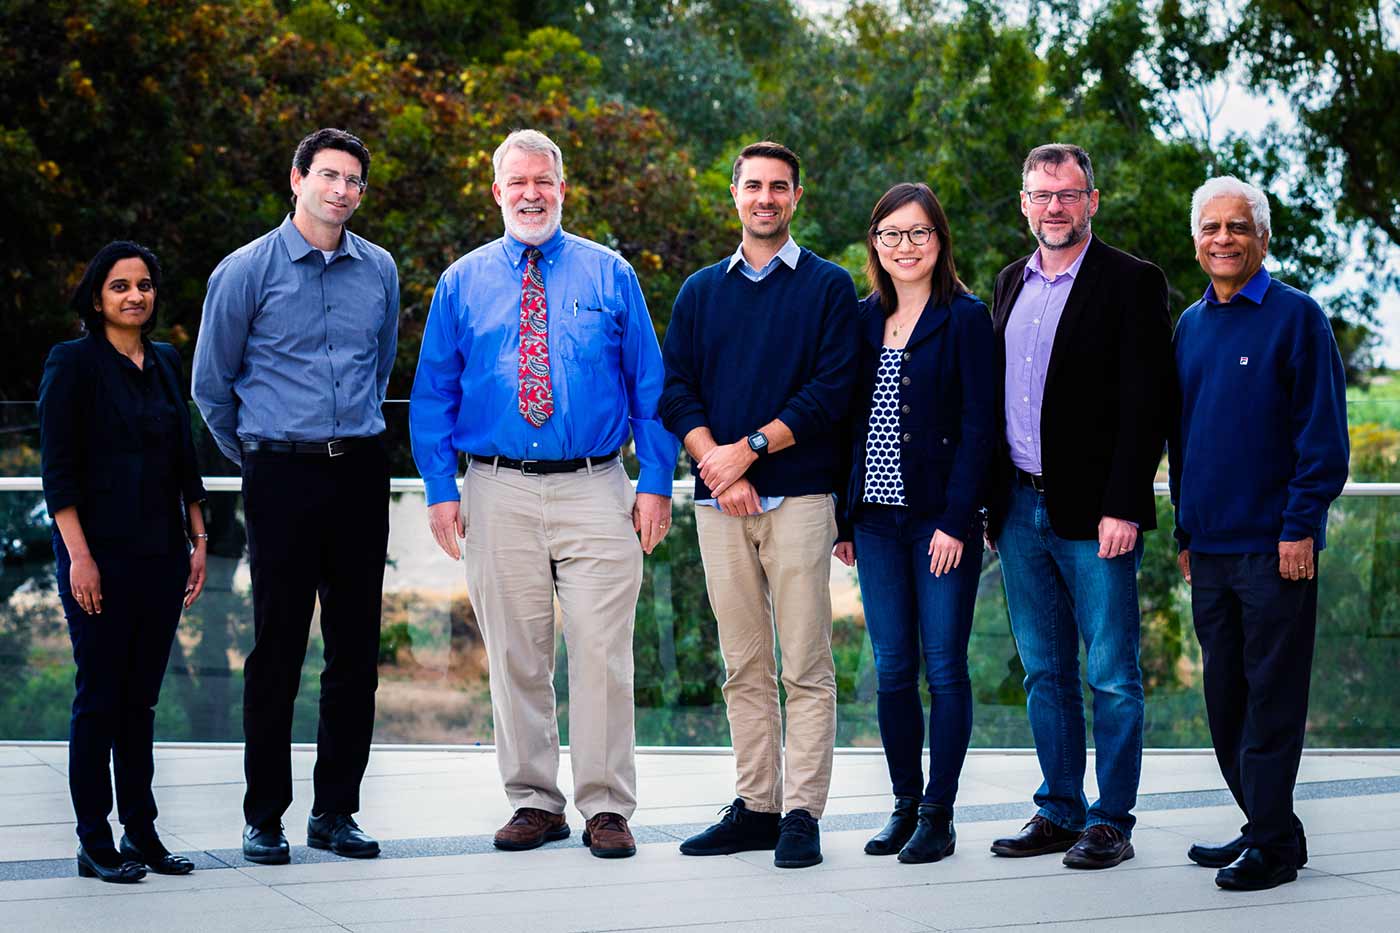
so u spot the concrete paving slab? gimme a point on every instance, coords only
(1355, 915)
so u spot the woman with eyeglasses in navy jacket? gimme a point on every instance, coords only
(923, 427)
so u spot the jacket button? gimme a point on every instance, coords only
(908, 357)
(905, 381)
(904, 409)
(945, 440)
(907, 438)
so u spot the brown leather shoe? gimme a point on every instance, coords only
(1101, 846)
(531, 828)
(1038, 837)
(607, 836)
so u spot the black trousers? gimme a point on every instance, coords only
(1256, 631)
(121, 656)
(318, 527)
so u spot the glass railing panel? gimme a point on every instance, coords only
(433, 683)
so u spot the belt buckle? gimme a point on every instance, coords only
(528, 468)
(1037, 483)
(336, 447)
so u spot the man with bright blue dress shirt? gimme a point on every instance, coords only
(538, 360)
(295, 348)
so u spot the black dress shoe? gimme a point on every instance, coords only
(799, 841)
(1256, 870)
(1101, 846)
(1038, 837)
(934, 838)
(108, 865)
(266, 845)
(739, 830)
(155, 856)
(339, 833)
(1222, 855)
(897, 831)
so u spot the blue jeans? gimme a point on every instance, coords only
(1059, 591)
(910, 614)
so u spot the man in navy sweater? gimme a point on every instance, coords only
(1259, 453)
(760, 365)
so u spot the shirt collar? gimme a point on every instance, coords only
(1073, 271)
(298, 249)
(515, 250)
(1253, 290)
(789, 254)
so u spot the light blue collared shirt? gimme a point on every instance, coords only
(293, 347)
(605, 365)
(788, 256)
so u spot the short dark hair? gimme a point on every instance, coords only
(86, 295)
(946, 283)
(330, 138)
(767, 149)
(1058, 154)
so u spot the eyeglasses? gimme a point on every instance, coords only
(1067, 197)
(890, 238)
(351, 181)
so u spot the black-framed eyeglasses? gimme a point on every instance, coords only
(332, 176)
(890, 237)
(1067, 196)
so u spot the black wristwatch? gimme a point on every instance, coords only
(758, 443)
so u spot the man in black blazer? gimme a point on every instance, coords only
(1085, 342)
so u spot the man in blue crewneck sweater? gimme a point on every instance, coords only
(760, 365)
(1259, 453)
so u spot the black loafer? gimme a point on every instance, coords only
(1101, 846)
(339, 833)
(155, 856)
(1256, 870)
(108, 866)
(1038, 837)
(934, 839)
(898, 829)
(266, 845)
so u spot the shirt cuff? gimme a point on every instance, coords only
(441, 489)
(655, 481)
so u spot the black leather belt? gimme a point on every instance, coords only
(541, 467)
(1032, 480)
(331, 448)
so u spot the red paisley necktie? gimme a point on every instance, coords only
(536, 395)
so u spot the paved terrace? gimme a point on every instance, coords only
(434, 810)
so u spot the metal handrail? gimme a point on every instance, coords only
(413, 484)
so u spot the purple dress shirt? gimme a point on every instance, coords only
(1030, 336)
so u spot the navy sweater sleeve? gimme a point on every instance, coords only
(1319, 415)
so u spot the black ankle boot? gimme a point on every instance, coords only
(897, 831)
(934, 837)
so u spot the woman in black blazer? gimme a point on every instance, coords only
(922, 445)
(121, 484)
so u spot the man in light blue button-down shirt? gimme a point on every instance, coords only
(293, 359)
(541, 403)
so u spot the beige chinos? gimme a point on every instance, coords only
(770, 573)
(530, 539)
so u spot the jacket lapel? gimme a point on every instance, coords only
(930, 322)
(108, 385)
(1002, 312)
(1086, 284)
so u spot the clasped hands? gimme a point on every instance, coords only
(722, 469)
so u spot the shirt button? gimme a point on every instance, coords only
(328, 307)
(1028, 359)
(1036, 321)
(337, 383)
(332, 347)
(534, 444)
(905, 381)
(1024, 398)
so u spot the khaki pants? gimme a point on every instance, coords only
(530, 539)
(763, 572)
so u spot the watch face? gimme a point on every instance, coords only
(758, 442)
